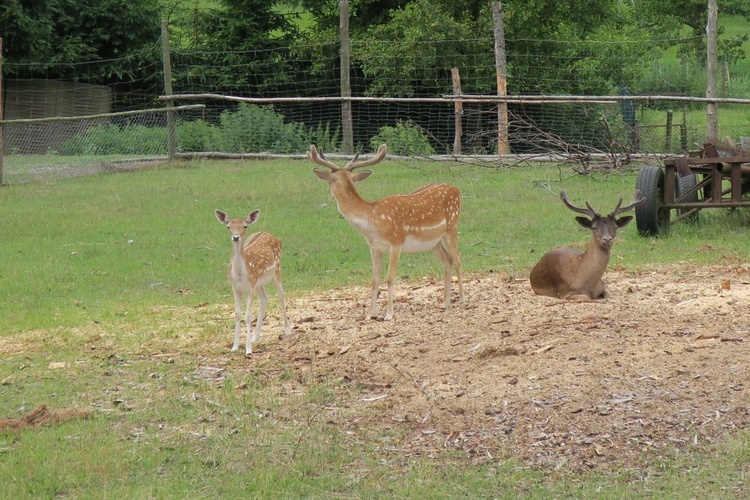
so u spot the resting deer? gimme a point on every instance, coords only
(567, 273)
(425, 219)
(256, 261)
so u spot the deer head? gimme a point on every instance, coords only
(343, 179)
(237, 226)
(603, 228)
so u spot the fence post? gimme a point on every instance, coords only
(167, 64)
(502, 77)
(458, 110)
(712, 118)
(683, 130)
(346, 88)
(668, 133)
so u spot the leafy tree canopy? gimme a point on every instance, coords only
(49, 33)
(671, 17)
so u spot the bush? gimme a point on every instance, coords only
(249, 129)
(256, 129)
(198, 136)
(111, 139)
(406, 138)
(323, 138)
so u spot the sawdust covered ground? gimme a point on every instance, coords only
(660, 368)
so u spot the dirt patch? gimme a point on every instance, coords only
(662, 367)
(42, 415)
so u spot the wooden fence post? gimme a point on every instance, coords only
(458, 110)
(502, 78)
(346, 87)
(712, 27)
(167, 64)
(668, 133)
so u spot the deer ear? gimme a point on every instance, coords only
(624, 221)
(221, 216)
(361, 175)
(323, 174)
(253, 216)
(584, 221)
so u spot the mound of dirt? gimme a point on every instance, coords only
(661, 367)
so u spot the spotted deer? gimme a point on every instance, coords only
(425, 219)
(568, 273)
(256, 261)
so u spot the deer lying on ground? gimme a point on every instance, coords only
(256, 261)
(425, 219)
(567, 273)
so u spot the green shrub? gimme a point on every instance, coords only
(198, 136)
(256, 129)
(406, 138)
(323, 138)
(111, 139)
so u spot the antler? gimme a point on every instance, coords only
(637, 200)
(585, 211)
(313, 156)
(382, 150)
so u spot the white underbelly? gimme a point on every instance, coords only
(414, 245)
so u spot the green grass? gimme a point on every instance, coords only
(119, 276)
(101, 247)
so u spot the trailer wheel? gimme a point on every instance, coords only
(683, 184)
(650, 216)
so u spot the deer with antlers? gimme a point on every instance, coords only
(425, 219)
(567, 273)
(256, 261)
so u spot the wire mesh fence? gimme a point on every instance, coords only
(91, 125)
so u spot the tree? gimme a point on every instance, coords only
(398, 62)
(249, 33)
(670, 17)
(538, 33)
(50, 34)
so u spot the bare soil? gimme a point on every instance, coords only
(660, 368)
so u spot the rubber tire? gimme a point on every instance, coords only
(650, 217)
(682, 185)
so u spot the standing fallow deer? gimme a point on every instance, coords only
(256, 261)
(568, 273)
(425, 219)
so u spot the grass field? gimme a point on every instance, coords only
(98, 247)
(110, 289)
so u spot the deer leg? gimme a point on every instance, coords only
(393, 259)
(282, 304)
(263, 300)
(237, 319)
(603, 291)
(447, 268)
(249, 322)
(450, 243)
(377, 268)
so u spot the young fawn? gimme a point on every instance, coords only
(425, 219)
(256, 261)
(567, 273)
